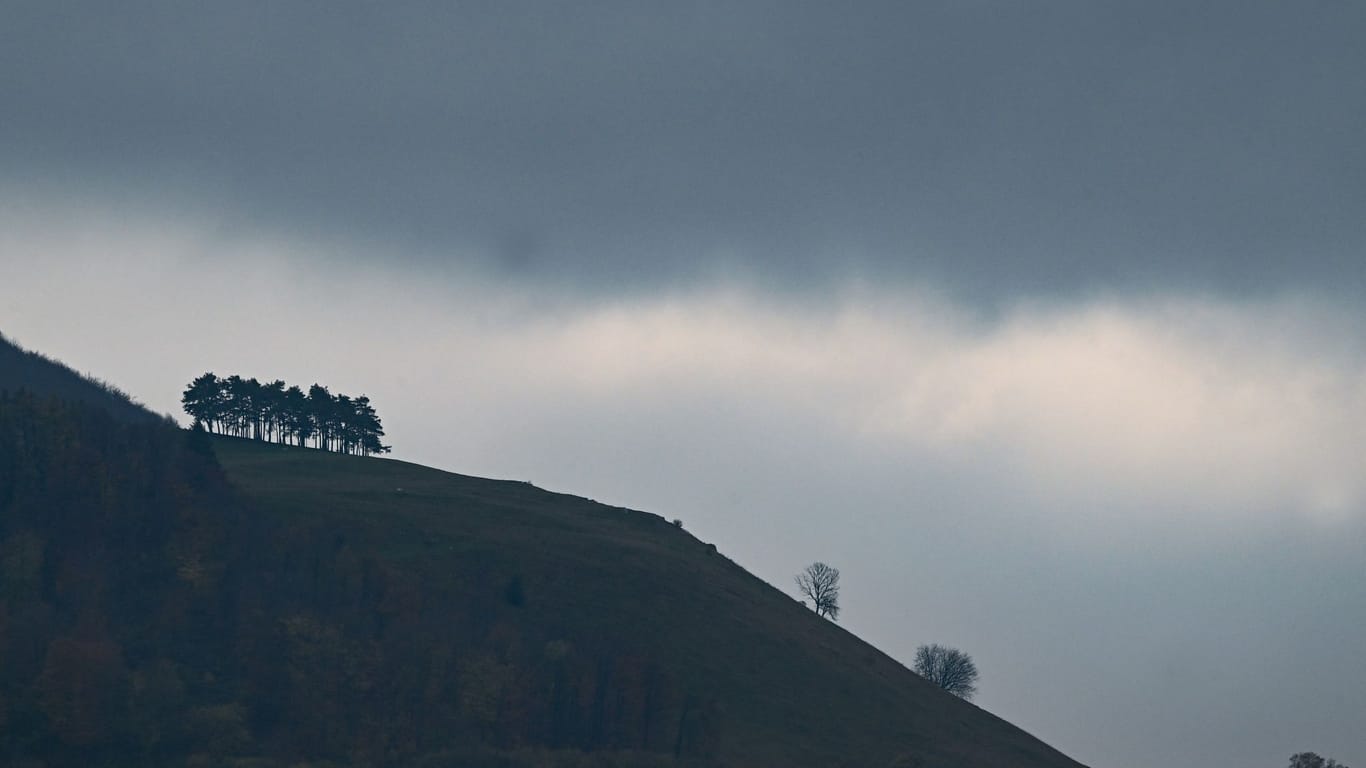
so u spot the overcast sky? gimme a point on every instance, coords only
(1042, 321)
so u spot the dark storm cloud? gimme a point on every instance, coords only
(1001, 148)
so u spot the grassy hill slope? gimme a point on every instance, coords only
(697, 656)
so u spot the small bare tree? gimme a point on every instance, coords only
(821, 583)
(1313, 760)
(948, 668)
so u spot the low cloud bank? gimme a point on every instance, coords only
(1101, 500)
(1144, 405)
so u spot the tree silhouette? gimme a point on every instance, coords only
(203, 401)
(278, 413)
(298, 425)
(320, 411)
(1313, 760)
(273, 408)
(948, 668)
(821, 583)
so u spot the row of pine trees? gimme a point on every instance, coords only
(275, 413)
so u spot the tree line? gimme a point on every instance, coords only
(276, 413)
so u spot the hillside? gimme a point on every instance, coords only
(172, 599)
(21, 369)
(777, 685)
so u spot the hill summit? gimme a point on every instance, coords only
(172, 598)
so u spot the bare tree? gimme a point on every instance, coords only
(948, 668)
(821, 583)
(1313, 760)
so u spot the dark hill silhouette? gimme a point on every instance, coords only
(24, 370)
(171, 598)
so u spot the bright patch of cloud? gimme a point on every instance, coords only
(1163, 405)
(1178, 403)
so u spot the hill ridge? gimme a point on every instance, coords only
(172, 598)
(644, 531)
(22, 369)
